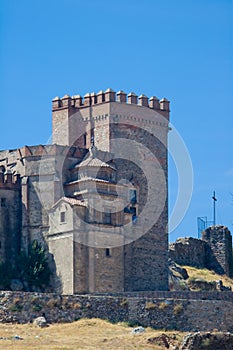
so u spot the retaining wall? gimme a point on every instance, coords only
(180, 311)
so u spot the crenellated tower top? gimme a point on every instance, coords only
(78, 120)
(9, 180)
(91, 99)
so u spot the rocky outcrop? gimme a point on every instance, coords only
(40, 322)
(196, 284)
(177, 276)
(208, 341)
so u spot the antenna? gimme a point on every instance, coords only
(214, 208)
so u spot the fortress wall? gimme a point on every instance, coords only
(219, 241)
(188, 251)
(171, 312)
(213, 251)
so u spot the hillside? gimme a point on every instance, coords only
(194, 279)
(84, 334)
(208, 276)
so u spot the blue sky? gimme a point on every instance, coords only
(182, 50)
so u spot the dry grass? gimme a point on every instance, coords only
(207, 275)
(93, 334)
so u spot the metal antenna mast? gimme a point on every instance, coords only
(214, 208)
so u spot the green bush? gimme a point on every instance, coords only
(6, 275)
(34, 268)
(31, 268)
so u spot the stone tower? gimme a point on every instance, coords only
(131, 132)
(10, 216)
(219, 252)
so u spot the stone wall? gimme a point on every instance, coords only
(219, 254)
(188, 251)
(213, 251)
(10, 218)
(161, 310)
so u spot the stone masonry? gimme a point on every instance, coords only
(105, 148)
(184, 311)
(213, 251)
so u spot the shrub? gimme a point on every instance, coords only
(6, 275)
(163, 305)
(75, 306)
(37, 307)
(33, 268)
(205, 342)
(124, 302)
(150, 305)
(16, 305)
(133, 323)
(34, 300)
(53, 303)
(177, 309)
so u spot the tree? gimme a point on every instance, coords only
(6, 274)
(33, 267)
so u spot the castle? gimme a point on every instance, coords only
(95, 197)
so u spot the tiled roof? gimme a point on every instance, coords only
(72, 201)
(93, 162)
(83, 179)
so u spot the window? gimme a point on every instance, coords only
(92, 137)
(3, 202)
(134, 212)
(85, 139)
(62, 216)
(133, 196)
(107, 252)
(107, 216)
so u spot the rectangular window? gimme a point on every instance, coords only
(107, 252)
(3, 202)
(134, 212)
(133, 196)
(62, 216)
(107, 216)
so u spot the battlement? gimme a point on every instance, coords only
(91, 99)
(9, 180)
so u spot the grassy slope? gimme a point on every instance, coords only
(207, 275)
(85, 334)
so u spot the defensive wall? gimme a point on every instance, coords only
(186, 311)
(91, 99)
(213, 251)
